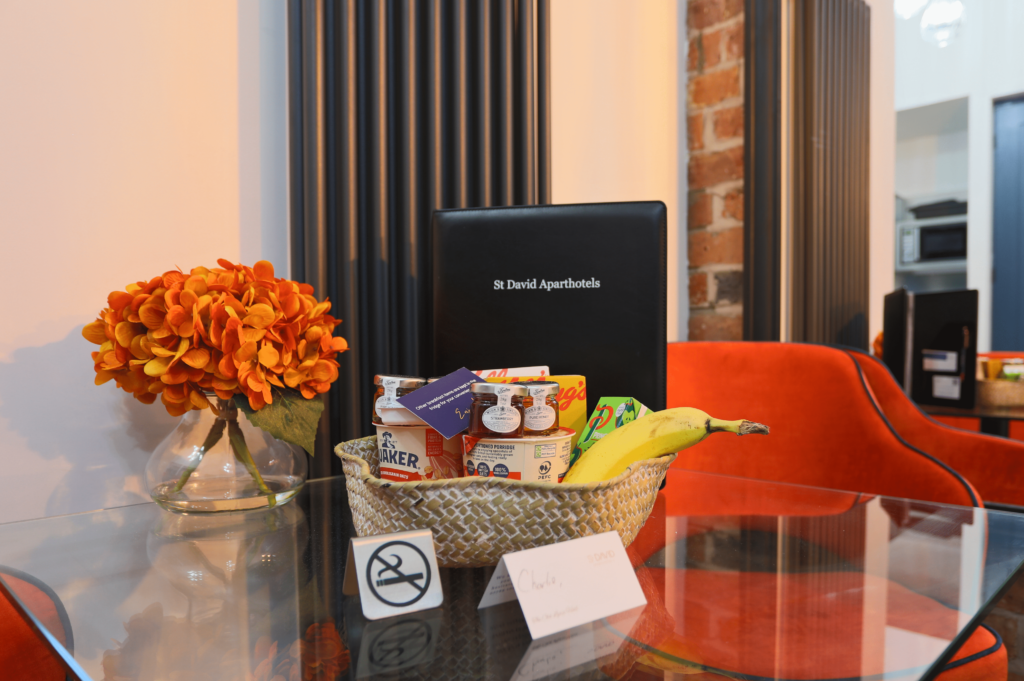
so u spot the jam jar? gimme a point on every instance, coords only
(497, 410)
(540, 408)
(390, 387)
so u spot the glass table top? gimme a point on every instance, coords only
(744, 579)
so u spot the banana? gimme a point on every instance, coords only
(654, 435)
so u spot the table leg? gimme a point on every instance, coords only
(995, 426)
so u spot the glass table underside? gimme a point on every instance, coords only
(744, 579)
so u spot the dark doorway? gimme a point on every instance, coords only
(1008, 227)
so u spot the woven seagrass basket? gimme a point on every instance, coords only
(476, 520)
(1000, 393)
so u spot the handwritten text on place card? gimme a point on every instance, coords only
(561, 586)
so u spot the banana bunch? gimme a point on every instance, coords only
(654, 435)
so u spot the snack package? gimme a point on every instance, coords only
(514, 372)
(610, 413)
(572, 399)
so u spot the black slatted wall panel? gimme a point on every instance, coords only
(827, 183)
(398, 107)
(830, 227)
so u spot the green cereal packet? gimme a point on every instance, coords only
(610, 413)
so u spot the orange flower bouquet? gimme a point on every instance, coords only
(261, 344)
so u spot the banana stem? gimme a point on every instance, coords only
(212, 438)
(740, 427)
(241, 451)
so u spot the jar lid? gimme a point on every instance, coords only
(492, 389)
(403, 381)
(434, 378)
(543, 388)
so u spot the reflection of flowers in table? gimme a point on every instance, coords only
(161, 647)
(320, 656)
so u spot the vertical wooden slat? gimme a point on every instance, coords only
(543, 90)
(397, 108)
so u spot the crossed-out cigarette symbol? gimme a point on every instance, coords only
(419, 581)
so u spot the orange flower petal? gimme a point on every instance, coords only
(256, 401)
(102, 376)
(95, 332)
(323, 371)
(186, 328)
(198, 400)
(124, 333)
(152, 315)
(313, 334)
(339, 344)
(274, 380)
(269, 356)
(118, 299)
(292, 377)
(196, 284)
(260, 316)
(197, 358)
(264, 270)
(188, 300)
(157, 367)
(246, 352)
(224, 386)
(176, 315)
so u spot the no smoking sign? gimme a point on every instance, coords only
(393, 573)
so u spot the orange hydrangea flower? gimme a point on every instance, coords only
(229, 330)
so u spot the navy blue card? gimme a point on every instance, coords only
(444, 404)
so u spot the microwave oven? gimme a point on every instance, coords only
(932, 245)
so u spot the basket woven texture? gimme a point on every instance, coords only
(1001, 393)
(475, 521)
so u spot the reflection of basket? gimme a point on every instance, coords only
(1000, 393)
(476, 520)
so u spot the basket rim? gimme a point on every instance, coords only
(470, 481)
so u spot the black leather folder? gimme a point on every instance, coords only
(579, 288)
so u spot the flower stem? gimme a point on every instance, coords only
(212, 438)
(241, 451)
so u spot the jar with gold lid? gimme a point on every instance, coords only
(497, 410)
(540, 408)
(389, 387)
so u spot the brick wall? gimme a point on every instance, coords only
(715, 174)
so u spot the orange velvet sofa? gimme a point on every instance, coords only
(829, 428)
(22, 654)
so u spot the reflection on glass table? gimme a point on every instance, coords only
(744, 579)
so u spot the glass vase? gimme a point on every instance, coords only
(215, 460)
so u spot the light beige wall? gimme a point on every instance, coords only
(883, 161)
(616, 116)
(120, 158)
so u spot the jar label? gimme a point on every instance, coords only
(540, 416)
(503, 418)
(389, 399)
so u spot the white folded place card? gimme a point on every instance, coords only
(564, 585)
(393, 573)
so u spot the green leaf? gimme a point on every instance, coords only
(290, 417)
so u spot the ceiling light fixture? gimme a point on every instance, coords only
(941, 21)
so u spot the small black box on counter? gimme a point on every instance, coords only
(930, 344)
(578, 288)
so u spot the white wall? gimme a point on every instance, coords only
(931, 164)
(882, 229)
(134, 137)
(982, 64)
(618, 103)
